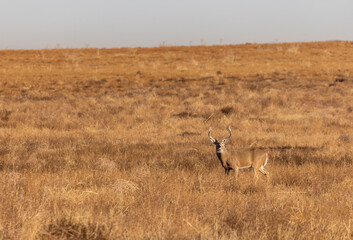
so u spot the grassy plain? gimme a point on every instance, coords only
(112, 143)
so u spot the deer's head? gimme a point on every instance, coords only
(220, 145)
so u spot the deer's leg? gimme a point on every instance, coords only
(236, 172)
(262, 170)
(255, 175)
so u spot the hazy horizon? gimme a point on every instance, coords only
(39, 24)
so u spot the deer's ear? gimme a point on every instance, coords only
(225, 141)
(213, 140)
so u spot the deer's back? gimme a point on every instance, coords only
(245, 156)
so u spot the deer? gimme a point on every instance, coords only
(240, 158)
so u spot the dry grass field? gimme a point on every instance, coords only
(112, 143)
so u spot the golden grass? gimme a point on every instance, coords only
(112, 143)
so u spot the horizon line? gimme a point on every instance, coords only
(162, 45)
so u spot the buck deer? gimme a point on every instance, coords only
(240, 158)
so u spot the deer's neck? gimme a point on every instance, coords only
(220, 154)
(219, 150)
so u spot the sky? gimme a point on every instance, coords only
(39, 24)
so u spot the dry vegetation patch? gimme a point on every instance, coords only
(112, 143)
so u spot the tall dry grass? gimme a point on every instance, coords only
(112, 143)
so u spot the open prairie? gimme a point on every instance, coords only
(112, 143)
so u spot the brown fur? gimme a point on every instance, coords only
(235, 159)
